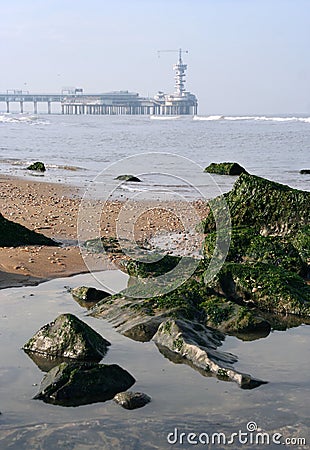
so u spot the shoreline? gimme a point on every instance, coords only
(53, 210)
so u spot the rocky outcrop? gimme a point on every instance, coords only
(225, 168)
(83, 383)
(305, 171)
(198, 345)
(88, 296)
(248, 246)
(68, 337)
(131, 400)
(229, 317)
(270, 208)
(265, 286)
(131, 178)
(13, 234)
(37, 166)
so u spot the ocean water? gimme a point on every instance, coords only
(77, 149)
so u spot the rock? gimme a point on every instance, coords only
(68, 337)
(246, 245)
(131, 400)
(265, 286)
(83, 383)
(13, 234)
(198, 345)
(106, 244)
(270, 208)
(139, 318)
(305, 171)
(131, 178)
(38, 166)
(225, 168)
(301, 241)
(231, 318)
(88, 296)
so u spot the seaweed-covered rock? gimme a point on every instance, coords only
(68, 337)
(231, 318)
(305, 171)
(131, 178)
(301, 241)
(13, 234)
(77, 384)
(139, 318)
(269, 207)
(198, 344)
(38, 166)
(88, 294)
(246, 245)
(131, 400)
(225, 168)
(268, 287)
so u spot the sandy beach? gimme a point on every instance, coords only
(53, 209)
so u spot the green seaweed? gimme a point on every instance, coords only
(225, 168)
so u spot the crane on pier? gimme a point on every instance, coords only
(180, 69)
(174, 51)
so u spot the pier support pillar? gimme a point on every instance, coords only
(35, 107)
(49, 107)
(21, 107)
(8, 107)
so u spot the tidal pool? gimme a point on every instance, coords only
(183, 401)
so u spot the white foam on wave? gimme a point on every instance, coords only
(208, 118)
(164, 117)
(27, 119)
(254, 118)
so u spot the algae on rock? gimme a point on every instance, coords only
(269, 207)
(68, 337)
(225, 168)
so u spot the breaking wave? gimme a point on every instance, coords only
(27, 119)
(254, 118)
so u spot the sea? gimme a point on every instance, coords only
(187, 409)
(165, 152)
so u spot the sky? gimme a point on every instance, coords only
(244, 56)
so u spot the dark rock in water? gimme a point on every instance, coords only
(131, 400)
(198, 344)
(83, 383)
(88, 296)
(270, 208)
(225, 168)
(305, 171)
(139, 318)
(38, 166)
(13, 234)
(68, 337)
(231, 318)
(128, 178)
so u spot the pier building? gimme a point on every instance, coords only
(75, 101)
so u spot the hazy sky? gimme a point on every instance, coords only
(245, 56)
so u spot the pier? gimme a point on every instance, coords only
(75, 101)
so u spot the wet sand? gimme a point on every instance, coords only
(53, 210)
